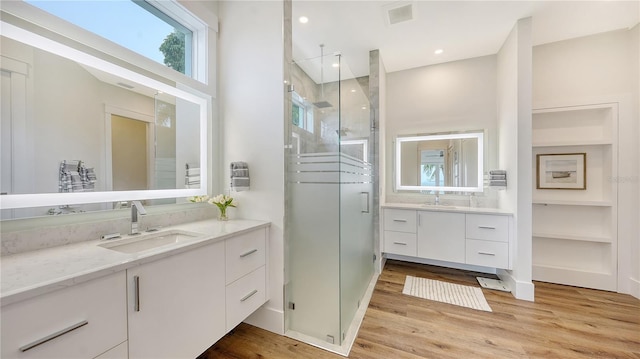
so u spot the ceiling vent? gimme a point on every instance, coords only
(396, 13)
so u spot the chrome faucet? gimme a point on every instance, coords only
(136, 207)
(437, 198)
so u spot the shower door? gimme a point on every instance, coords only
(329, 227)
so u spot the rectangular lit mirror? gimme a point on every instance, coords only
(77, 129)
(440, 162)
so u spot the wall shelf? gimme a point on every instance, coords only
(572, 237)
(575, 231)
(554, 202)
(604, 142)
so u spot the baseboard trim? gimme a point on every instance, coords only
(268, 318)
(523, 290)
(634, 287)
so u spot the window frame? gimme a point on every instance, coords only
(201, 54)
(307, 121)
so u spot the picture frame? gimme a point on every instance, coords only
(566, 171)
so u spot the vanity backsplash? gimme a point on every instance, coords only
(31, 234)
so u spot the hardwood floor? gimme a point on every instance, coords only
(563, 322)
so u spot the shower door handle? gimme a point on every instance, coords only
(365, 202)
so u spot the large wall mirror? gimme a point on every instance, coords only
(440, 162)
(77, 129)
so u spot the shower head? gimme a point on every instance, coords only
(322, 104)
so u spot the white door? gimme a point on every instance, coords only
(16, 176)
(6, 182)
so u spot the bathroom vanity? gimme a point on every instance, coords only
(448, 235)
(98, 299)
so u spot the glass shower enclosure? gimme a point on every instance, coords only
(329, 223)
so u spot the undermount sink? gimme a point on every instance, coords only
(443, 206)
(144, 242)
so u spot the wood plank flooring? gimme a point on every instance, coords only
(563, 322)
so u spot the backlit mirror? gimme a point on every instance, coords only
(77, 129)
(440, 162)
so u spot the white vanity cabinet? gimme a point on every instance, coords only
(487, 240)
(441, 236)
(448, 235)
(176, 305)
(82, 321)
(245, 276)
(400, 232)
(166, 303)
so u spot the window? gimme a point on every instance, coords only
(432, 168)
(302, 115)
(140, 26)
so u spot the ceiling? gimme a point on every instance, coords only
(463, 29)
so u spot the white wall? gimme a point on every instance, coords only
(595, 69)
(514, 133)
(251, 111)
(66, 117)
(454, 96)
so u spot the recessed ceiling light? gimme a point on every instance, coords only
(438, 51)
(336, 65)
(303, 19)
(353, 90)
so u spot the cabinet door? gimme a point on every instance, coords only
(176, 304)
(81, 321)
(441, 236)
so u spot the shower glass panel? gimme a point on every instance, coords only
(329, 223)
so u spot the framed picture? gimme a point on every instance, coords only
(561, 171)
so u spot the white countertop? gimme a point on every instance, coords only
(29, 274)
(446, 208)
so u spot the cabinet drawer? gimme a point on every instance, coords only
(244, 254)
(400, 220)
(487, 253)
(400, 243)
(244, 296)
(82, 321)
(488, 227)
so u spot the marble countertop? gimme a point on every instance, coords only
(29, 274)
(446, 208)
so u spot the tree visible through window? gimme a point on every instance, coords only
(173, 50)
(137, 25)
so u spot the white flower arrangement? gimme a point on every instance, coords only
(223, 201)
(199, 199)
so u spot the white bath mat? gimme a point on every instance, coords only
(462, 295)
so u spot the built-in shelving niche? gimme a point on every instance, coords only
(575, 231)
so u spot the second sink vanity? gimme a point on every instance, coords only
(466, 237)
(448, 235)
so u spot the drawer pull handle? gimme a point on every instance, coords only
(248, 253)
(53, 336)
(400, 243)
(486, 227)
(399, 220)
(249, 295)
(136, 291)
(487, 253)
